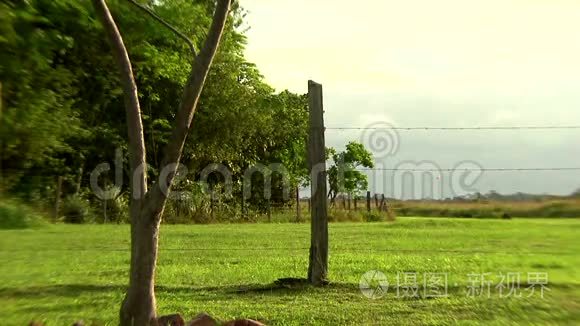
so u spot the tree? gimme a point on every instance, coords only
(343, 176)
(146, 206)
(38, 115)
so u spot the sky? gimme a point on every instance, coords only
(445, 63)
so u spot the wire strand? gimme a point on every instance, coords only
(459, 128)
(473, 170)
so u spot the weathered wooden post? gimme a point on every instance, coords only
(243, 204)
(269, 206)
(355, 200)
(212, 204)
(318, 261)
(106, 186)
(383, 204)
(298, 205)
(377, 202)
(368, 201)
(57, 197)
(79, 181)
(1, 146)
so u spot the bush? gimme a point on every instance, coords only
(15, 215)
(117, 210)
(373, 217)
(76, 210)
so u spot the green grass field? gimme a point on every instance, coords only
(63, 273)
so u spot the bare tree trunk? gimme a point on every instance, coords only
(146, 207)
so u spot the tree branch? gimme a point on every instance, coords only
(166, 24)
(189, 101)
(132, 108)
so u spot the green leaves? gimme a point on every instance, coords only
(63, 105)
(343, 175)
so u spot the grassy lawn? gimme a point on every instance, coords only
(62, 273)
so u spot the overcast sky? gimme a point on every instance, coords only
(445, 63)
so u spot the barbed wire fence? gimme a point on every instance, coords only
(387, 145)
(383, 138)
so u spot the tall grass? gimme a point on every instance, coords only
(489, 209)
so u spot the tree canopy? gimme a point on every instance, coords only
(343, 176)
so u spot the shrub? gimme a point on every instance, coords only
(373, 217)
(76, 210)
(118, 210)
(15, 215)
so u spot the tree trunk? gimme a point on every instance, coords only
(146, 207)
(139, 306)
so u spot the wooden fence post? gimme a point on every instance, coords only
(298, 205)
(349, 199)
(79, 180)
(318, 260)
(244, 206)
(368, 201)
(212, 204)
(383, 206)
(355, 200)
(377, 202)
(1, 146)
(106, 184)
(57, 196)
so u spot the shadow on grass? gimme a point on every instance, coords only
(280, 287)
